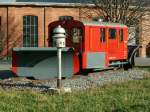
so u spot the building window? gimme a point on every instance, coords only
(76, 34)
(112, 33)
(30, 31)
(121, 35)
(102, 35)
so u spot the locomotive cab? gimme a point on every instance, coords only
(105, 45)
(98, 44)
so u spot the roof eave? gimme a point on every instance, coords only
(48, 4)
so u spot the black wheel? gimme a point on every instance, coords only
(86, 71)
(126, 67)
(132, 62)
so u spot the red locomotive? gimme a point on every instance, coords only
(90, 45)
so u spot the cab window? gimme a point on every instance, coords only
(121, 35)
(102, 35)
(112, 33)
(76, 34)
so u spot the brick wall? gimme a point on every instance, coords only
(15, 24)
(16, 14)
(52, 14)
(3, 32)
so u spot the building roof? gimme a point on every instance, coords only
(97, 23)
(69, 3)
(63, 2)
(57, 1)
(46, 1)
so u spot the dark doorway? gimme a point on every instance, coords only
(148, 50)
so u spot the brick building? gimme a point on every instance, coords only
(25, 24)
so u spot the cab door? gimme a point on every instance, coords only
(112, 44)
(122, 43)
(94, 45)
(103, 39)
(97, 39)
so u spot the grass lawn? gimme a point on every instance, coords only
(132, 96)
(144, 68)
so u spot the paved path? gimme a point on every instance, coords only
(5, 65)
(5, 69)
(142, 61)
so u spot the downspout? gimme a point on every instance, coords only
(44, 29)
(79, 13)
(7, 34)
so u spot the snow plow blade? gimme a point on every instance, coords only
(42, 63)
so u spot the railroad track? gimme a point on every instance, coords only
(26, 84)
(40, 88)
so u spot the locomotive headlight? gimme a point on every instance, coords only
(59, 36)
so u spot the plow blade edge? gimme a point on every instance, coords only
(42, 63)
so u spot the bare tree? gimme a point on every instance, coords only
(7, 39)
(127, 12)
(133, 13)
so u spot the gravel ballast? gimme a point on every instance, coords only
(101, 78)
(79, 82)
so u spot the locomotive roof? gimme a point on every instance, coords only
(96, 23)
